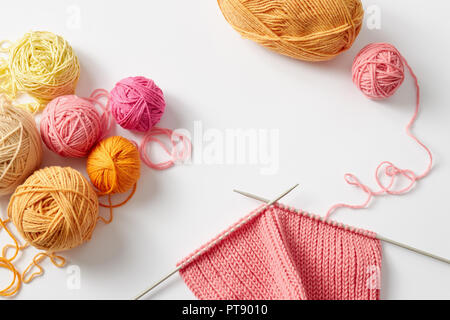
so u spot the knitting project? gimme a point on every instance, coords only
(284, 253)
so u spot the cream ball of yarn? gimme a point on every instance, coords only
(20, 146)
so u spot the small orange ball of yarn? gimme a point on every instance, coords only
(55, 209)
(310, 30)
(114, 165)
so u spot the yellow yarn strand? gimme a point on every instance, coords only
(40, 64)
(310, 30)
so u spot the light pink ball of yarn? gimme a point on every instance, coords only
(378, 70)
(137, 103)
(71, 126)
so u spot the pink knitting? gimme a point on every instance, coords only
(283, 253)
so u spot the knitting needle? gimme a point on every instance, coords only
(381, 238)
(407, 247)
(268, 204)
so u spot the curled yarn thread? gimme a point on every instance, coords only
(310, 30)
(378, 72)
(7, 263)
(71, 126)
(175, 156)
(55, 209)
(114, 167)
(20, 146)
(137, 103)
(40, 64)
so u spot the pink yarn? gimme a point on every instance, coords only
(137, 103)
(282, 253)
(71, 126)
(175, 156)
(378, 72)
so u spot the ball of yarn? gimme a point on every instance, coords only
(378, 70)
(137, 103)
(310, 30)
(20, 146)
(55, 209)
(71, 126)
(44, 65)
(114, 165)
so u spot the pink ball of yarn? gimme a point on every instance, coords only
(137, 103)
(71, 126)
(378, 70)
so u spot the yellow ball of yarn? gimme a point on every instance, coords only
(55, 209)
(43, 65)
(114, 165)
(311, 30)
(20, 146)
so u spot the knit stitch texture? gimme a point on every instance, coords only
(287, 254)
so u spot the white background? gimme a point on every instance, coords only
(326, 126)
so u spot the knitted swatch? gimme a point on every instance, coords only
(283, 253)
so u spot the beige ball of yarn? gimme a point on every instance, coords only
(55, 209)
(20, 146)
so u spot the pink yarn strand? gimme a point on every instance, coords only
(386, 167)
(175, 155)
(106, 118)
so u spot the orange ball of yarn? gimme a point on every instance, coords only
(311, 30)
(114, 165)
(55, 209)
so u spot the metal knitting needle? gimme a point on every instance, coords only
(268, 204)
(381, 238)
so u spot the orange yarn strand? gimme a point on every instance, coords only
(16, 243)
(6, 263)
(16, 282)
(36, 263)
(110, 205)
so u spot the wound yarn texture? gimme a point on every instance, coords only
(310, 30)
(113, 165)
(55, 209)
(286, 254)
(71, 126)
(378, 70)
(41, 64)
(137, 103)
(20, 146)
